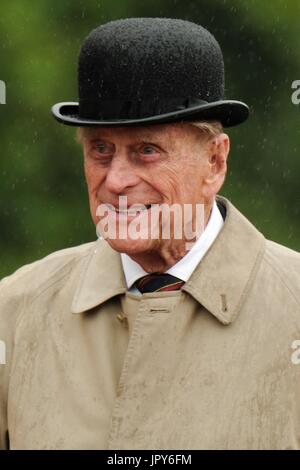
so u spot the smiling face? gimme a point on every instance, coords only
(161, 164)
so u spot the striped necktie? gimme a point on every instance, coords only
(158, 282)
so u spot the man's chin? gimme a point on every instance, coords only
(131, 247)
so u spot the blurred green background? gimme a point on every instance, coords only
(44, 205)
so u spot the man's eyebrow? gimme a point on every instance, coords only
(150, 136)
(140, 138)
(96, 138)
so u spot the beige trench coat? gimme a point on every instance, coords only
(90, 366)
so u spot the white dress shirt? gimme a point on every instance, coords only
(186, 265)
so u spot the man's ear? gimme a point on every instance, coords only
(218, 151)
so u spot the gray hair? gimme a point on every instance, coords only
(210, 128)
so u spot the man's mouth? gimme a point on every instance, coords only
(134, 209)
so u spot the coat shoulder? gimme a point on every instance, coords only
(282, 255)
(20, 288)
(285, 262)
(32, 276)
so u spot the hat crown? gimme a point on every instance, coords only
(150, 58)
(140, 71)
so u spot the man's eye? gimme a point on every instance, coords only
(149, 150)
(103, 148)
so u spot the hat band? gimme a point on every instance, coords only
(134, 109)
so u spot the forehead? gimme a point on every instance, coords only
(155, 132)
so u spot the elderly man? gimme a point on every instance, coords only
(140, 340)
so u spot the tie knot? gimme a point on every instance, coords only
(158, 282)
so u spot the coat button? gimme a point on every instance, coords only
(122, 318)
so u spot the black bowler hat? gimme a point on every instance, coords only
(140, 71)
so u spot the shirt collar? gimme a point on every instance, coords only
(220, 283)
(184, 267)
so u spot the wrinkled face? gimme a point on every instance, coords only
(152, 166)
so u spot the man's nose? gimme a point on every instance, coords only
(120, 176)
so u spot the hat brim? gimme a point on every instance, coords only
(228, 112)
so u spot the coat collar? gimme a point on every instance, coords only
(100, 279)
(224, 277)
(220, 282)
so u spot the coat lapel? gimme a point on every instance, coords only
(100, 279)
(224, 276)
